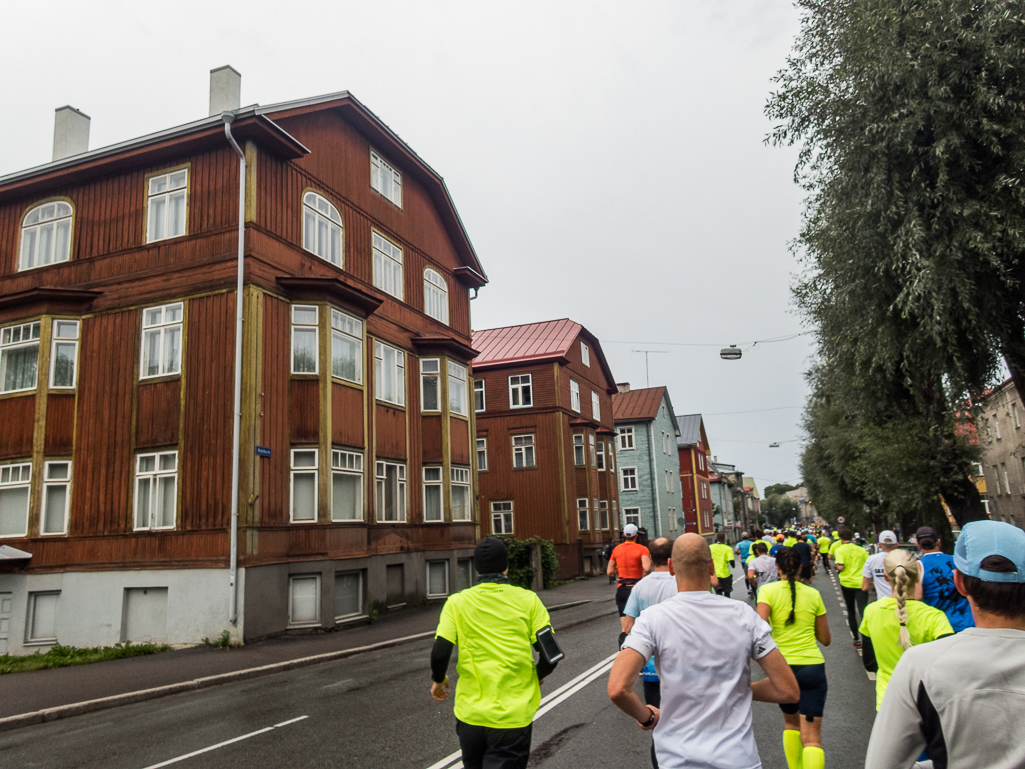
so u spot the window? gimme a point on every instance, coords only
(390, 500)
(669, 481)
(14, 489)
(41, 625)
(626, 438)
(996, 426)
(457, 389)
(56, 496)
(628, 476)
(701, 462)
(523, 451)
(985, 506)
(19, 357)
(704, 490)
(594, 451)
(1007, 482)
(437, 579)
(64, 353)
(346, 485)
(348, 594)
(387, 266)
(632, 515)
(461, 494)
(977, 470)
(672, 518)
(346, 347)
(304, 485)
(578, 450)
(434, 505)
(464, 573)
(612, 457)
(595, 407)
(478, 395)
(601, 455)
(482, 454)
(520, 391)
(389, 374)
(161, 340)
(585, 355)
(435, 295)
(304, 600)
(322, 228)
(501, 518)
(1016, 415)
(165, 206)
(156, 486)
(45, 235)
(305, 335)
(996, 481)
(583, 518)
(603, 515)
(385, 179)
(574, 395)
(430, 384)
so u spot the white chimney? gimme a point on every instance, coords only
(225, 90)
(623, 387)
(70, 133)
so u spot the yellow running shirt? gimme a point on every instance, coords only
(789, 542)
(494, 625)
(824, 543)
(853, 559)
(796, 642)
(880, 623)
(722, 555)
(834, 547)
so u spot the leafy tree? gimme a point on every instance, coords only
(779, 488)
(778, 509)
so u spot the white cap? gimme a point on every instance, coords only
(887, 538)
(630, 530)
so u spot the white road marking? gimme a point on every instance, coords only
(226, 742)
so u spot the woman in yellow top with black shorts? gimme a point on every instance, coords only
(798, 618)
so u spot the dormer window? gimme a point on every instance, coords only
(322, 228)
(165, 205)
(45, 235)
(435, 296)
(385, 179)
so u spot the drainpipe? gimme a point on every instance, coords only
(654, 478)
(228, 117)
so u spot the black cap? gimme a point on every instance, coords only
(490, 556)
(926, 532)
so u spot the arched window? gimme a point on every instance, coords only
(46, 235)
(435, 296)
(322, 228)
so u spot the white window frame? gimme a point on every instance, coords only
(585, 354)
(996, 480)
(165, 330)
(155, 477)
(430, 378)
(349, 463)
(385, 179)
(346, 328)
(13, 338)
(520, 385)
(524, 448)
(1007, 480)
(601, 455)
(626, 438)
(595, 407)
(304, 327)
(293, 471)
(503, 511)
(632, 515)
(435, 295)
(165, 196)
(701, 461)
(401, 491)
(583, 515)
(30, 618)
(388, 270)
(579, 449)
(460, 477)
(326, 225)
(8, 482)
(628, 474)
(482, 453)
(50, 484)
(58, 223)
(434, 562)
(397, 374)
(292, 578)
(574, 395)
(479, 389)
(603, 515)
(592, 442)
(61, 336)
(612, 457)
(457, 394)
(996, 426)
(435, 483)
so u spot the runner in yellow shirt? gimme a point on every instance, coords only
(850, 561)
(723, 558)
(798, 618)
(824, 543)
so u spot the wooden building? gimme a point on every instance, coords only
(695, 472)
(117, 319)
(545, 439)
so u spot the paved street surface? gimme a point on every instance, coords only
(375, 710)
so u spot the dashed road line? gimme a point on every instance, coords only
(226, 742)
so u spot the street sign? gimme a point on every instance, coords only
(262, 451)
(841, 519)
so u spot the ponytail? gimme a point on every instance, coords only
(902, 572)
(789, 562)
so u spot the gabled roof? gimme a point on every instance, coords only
(691, 430)
(549, 340)
(642, 405)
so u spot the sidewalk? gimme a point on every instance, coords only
(39, 690)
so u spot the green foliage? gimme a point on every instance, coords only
(223, 641)
(779, 488)
(521, 572)
(64, 656)
(778, 509)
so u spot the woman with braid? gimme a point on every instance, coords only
(797, 616)
(893, 625)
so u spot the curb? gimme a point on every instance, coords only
(128, 698)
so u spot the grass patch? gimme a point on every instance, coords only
(65, 656)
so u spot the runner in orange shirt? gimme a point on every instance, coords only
(630, 561)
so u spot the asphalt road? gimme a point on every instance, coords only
(375, 710)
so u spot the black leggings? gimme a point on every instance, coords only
(725, 586)
(487, 748)
(854, 597)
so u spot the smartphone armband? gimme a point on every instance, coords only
(549, 646)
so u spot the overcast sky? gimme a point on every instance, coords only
(607, 159)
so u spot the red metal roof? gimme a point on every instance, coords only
(519, 344)
(637, 404)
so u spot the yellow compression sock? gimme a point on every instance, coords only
(814, 758)
(792, 748)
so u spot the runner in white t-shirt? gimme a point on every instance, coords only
(873, 573)
(703, 646)
(762, 569)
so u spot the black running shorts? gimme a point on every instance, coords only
(812, 681)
